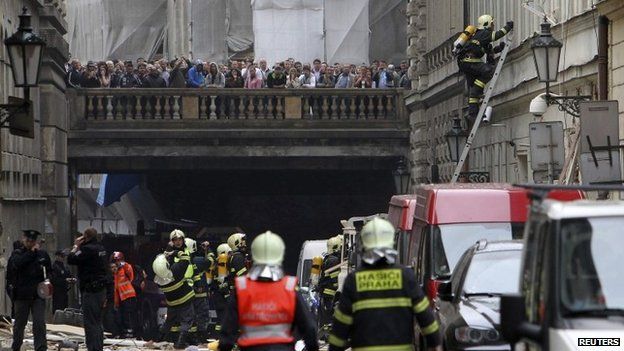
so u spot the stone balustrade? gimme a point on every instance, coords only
(235, 104)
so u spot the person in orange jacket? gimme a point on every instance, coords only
(125, 295)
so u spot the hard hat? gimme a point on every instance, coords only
(117, 256)
(223, 248)
(176, 233)
(334, 244)
(268, 249)
(377, 233)
(236, 240)
(191, 245)
(485, 21)
(161, 267)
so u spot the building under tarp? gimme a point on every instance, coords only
(345, 31)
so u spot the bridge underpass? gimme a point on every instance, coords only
(297, 175)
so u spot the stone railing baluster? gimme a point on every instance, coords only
(109, 107)
(279, 111)
(137, 107)
(213, 107)
(176, 107)
(202, 100)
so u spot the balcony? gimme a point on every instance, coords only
(127, 128)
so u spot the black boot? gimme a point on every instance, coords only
(181, 343)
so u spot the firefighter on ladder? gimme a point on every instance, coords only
(474, 52)
(265, 308)
(328, 283)
(379, 300)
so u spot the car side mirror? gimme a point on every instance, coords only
(445, 291)
(514, 324)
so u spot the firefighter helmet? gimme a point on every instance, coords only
(485, 21)
(237, 241)
(191, 245)
(334, 244)
(268, 249)
(161, 270)
(223, 248)
(176, 233)
(117, 256)
(377, 234)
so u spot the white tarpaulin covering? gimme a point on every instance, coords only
(346, 24)
(102, 29)
(388, 25)
(288, 28)
(209, 30)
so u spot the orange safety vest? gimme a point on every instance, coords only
(266, 311)
(123, 284)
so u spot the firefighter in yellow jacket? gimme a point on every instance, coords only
(379, 301)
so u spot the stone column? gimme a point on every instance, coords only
(54, 122)
(416, 33)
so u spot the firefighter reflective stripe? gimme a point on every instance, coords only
(336, 341)
(405, 347)
(329, 292)
(175, 329)
(431, 328)
(422, 305)
(265, 331)
(181, 300)
(343, 318)
(472, 60)
(479, 83)
(382, 303)
(334, 274)
(166, 289)
(217, 327)
(240, 272)
(201, 294)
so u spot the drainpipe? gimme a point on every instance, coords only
(603, 57)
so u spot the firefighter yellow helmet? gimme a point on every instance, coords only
(236, 241)
(268, 249)
(191, 245)
(176, 233)
(485, 21)
(377, 234)
(223, 248)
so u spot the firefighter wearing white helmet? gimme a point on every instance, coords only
(200, 261)
(328, 283)
(179, 293)
(380, 278)
(239, 259)
(265, 307)
(475, 57)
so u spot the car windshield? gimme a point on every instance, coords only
(496, 272)
(305, 273)
(451, 240)
(590, 259)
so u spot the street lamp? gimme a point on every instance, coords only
(546, 54)
(25, 52)
(456, 139)
(401, 177)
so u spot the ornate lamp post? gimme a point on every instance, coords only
(25, 52)
(546, 54)
(456, 139)
(401, 177)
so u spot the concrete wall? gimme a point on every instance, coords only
(439, 93)
(33, 177)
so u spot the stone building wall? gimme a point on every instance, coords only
(33, 172)
(439, 89)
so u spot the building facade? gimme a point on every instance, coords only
(33, 172)
(439, 90)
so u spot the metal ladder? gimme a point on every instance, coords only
(486, 99)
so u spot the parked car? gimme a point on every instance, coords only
(469, 303)
(571, 285)
(309, 250)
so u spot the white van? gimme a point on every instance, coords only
(309, 249)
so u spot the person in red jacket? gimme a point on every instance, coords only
(265, 307)
(125, 295)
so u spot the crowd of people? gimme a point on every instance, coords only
(182, 73)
